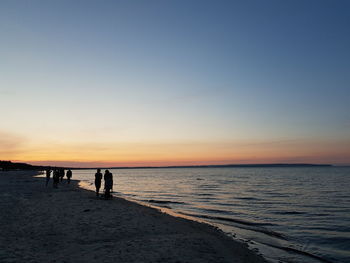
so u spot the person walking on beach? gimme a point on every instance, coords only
(98, 178)
(61, 174)
(69, 175)
(56, 178)
(48, 174)
(108, 184)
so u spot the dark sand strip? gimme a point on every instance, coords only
(69, 224)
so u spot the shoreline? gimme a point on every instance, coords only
(70, 224)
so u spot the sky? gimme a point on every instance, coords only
(135, 83)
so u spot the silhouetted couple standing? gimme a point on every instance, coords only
(108, 177)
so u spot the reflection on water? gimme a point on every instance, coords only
(289, 214)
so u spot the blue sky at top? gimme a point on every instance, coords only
(176, 70)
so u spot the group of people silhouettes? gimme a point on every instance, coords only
(108, 177)
(58, 175)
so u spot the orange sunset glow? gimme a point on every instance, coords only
(195, 153)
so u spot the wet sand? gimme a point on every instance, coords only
(69, 224)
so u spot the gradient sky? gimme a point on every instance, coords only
(88, 83)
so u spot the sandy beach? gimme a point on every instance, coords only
(70, 224)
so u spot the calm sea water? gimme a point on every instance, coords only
(287, 214)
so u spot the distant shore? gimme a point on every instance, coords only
(271, 165)
(8, 165)
(70, 224)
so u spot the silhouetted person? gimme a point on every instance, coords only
(69, 175)
(48, 174)
(61, 173)
(108, 184)
(56, 178)
(98, 178)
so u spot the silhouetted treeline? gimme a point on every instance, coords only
(8, 165)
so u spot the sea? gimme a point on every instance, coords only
(288, 214)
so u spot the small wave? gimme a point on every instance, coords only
(247, 198)
(320, 214)
(300, 252)
(172, 195)
(131, 195)
(228, 204)
(205, 199)
(337, 240)
(163, 202)
(216, 211)
(288, 213)
(208, 186)
(274, 194)
(262, 202)
(252, 225)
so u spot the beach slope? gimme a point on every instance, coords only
(70, 224)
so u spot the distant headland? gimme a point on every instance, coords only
(8, 165)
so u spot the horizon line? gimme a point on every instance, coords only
(206, 166)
